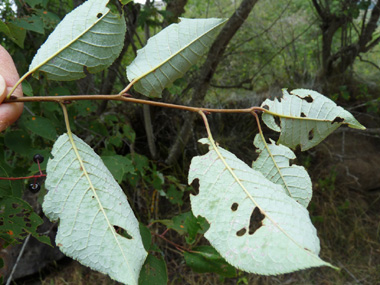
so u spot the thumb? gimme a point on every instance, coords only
(9, 113)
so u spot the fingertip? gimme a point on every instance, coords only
(3, 126)
(9, 113)
(3, 89)
(9, 72)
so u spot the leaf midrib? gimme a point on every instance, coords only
(74, 147)
(276, 165)
(176, 53)
(302, 118)
(257, 205)
(67, 45)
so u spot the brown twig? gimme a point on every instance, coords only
(177, 246)
(125, 98)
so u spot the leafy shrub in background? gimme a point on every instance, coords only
(254, 217)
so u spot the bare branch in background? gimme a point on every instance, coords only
(201, 84)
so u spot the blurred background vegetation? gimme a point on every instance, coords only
(331, 46)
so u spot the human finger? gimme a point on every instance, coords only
(9, 112)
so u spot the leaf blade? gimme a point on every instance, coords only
(171, 53)
(18, 219)
(154, 271)
(307, 118)
(285, 241)
(89, 207)
(274, 163)
(81, 41)
(15, 33)
(204, 259)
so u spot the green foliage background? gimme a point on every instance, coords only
(279, 46)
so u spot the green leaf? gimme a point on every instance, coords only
(89, 204)
(27, 88)
(192, 227)
(42, 127)
(185, 223)
(32, 23)
(141, 163)
(15, 33)
(273, 162)
(34, 3)
(253, 224)
(129, 133)
(4, 28)
(115, 140)
(12, 188)
(154, 271)
(307, 118)
(83, 108)
(18, 141)
(60, 91)
(125, 2)
(99, 127)
(92, 41)
(18, 220)
(174, 195)
(205, 258)
(50, 20)
(146, 236)
(118, 165)
(170, 53)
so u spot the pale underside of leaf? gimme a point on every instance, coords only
(285, 239)
(307, 118)
(90, 37)
(170, 53)
(89, 203)
(274, 163)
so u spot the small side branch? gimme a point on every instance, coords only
(23, 178)
(369, 62)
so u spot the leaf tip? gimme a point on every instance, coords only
(204, 141)
(357, 126)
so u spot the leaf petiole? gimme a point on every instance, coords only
(268, 150)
